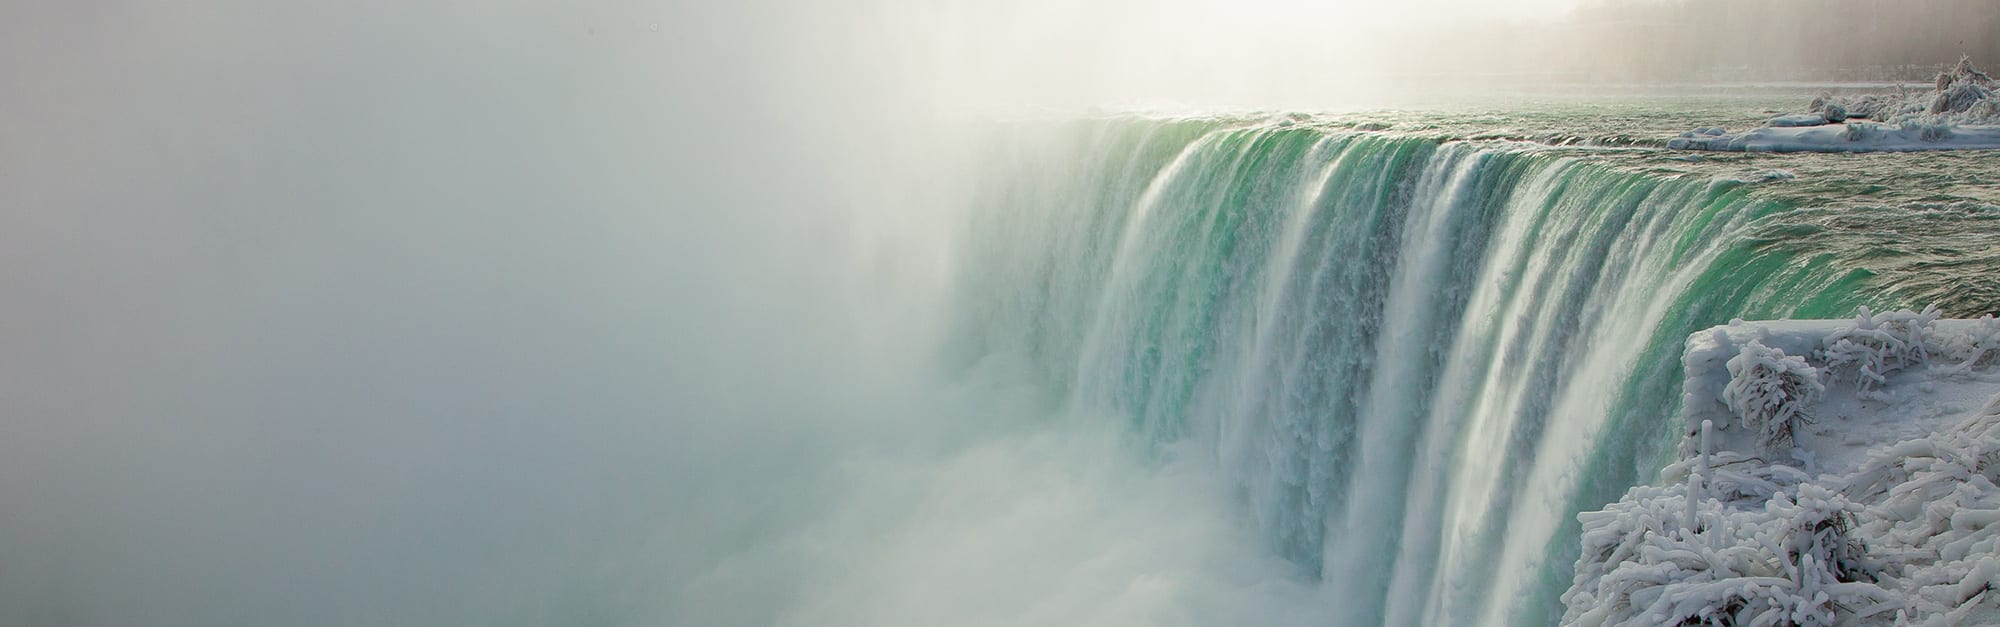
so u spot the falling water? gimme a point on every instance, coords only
(1414, 360)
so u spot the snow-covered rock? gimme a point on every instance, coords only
(1881, 508)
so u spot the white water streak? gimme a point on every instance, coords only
(1477, 404)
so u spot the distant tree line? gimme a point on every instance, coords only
(1783, 39)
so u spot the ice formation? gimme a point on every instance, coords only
(1961, 112)
(1794, 521)
(1963, 95)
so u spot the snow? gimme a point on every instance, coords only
(1962, 112)
(1803, 119)
(1880, 507)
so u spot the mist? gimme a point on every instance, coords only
(406, 313)
(440, 314)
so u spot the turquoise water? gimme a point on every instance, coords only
(1417, 343)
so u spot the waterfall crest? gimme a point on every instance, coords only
(1414, 361)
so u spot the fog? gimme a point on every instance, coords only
(444, 313)
(403, 313)
(435, 314)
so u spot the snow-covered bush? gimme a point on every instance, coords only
(1988, 109)
(1961, 89)
(1976, 347)
(1933, 514)
(1881, 345)
(1769, 390)
(1818, 528)
(1878, 346)
(1794, 561)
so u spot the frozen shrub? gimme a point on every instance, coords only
(1975, 348)
(1768, 390)
(1960, 98)
(1821, 522)
(1961, 88)
(1878, 346)
(1798, 560)
(1988, 109)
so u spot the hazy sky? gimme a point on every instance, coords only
(1258, 53)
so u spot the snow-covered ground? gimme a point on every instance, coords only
(1844, 473)
(1961, 112)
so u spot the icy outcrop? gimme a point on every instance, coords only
(1881, 508)
(1962, 95)
(1962, 112)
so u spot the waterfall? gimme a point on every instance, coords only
(1415, 360)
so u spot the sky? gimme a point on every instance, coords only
(1209, 52)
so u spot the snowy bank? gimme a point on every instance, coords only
(1842, 472)
(1961, 113)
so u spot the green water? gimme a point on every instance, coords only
(1418, 342)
